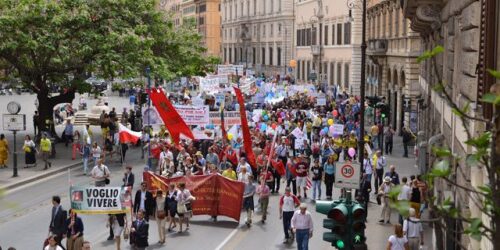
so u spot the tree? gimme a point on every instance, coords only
(63, 42)
(485, 156)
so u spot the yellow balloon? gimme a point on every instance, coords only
(229, 136)
(330, 122)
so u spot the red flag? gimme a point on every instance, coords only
(279, 166)
(222, 123)
(127, 135)
(247, 140)
(172, 120)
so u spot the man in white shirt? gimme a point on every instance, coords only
(404, 195)
(243, 175)
(288, 203)
(302, 226)
(243, 164)
(412, 228)
(100, 173)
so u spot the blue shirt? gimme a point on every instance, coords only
(68, 130)
(329, 168)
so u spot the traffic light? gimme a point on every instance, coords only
(357, 224)
(337, 217)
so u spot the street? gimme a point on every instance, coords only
(27, 209)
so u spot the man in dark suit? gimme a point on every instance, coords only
(140, 231)
(144, 201)
(128, 178)
(57, 224)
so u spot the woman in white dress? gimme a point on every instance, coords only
(118, 223)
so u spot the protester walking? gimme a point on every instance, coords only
(302, 226)
(388, 138)
(383, 193)
(263, 191)
(139, 232)
(329, 176)
(412, 228)
(77, 144)
(4, 151)
(86, 153)
(287, 205)
(415, 198)
(398, 241)
(100, 173)
(57, 226)
(317, 176)
(45, 150)
(128, 177)
(29, 149)
(248, 203)
(184, 208)
(117, 223)
(96, 152)
(144, 201)
(74, 232)
(161, 213)
(171, 205)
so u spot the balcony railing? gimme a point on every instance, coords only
(377, 46)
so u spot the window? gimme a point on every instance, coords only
(346, 76)
(332, 75)
(241, 54)
(313, 35)
(202, 8)
(225, 55)
(308, 69)
(347, 33)
(272, 7)
(298, 70)
(396, 23)
(405, 26)
(255, 7)
(333, 34)
(279, 28)
(308, 37)
(339, 73)
(225, 13)
(263, 56)
(235, 10)
(235, 55)
(230, 55)
(299, 38)
(326, 35)
(230, 33)
(390, 23)
(248, 8)
(303, 71)
(254, 54)
(270, 56)
(201, 20)
(271, 30)
(279, 56)
(230, 12)
(263, 30)
(339, 34)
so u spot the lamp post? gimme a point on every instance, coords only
(148, 74)
(351, 4)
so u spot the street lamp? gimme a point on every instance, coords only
(351, 4)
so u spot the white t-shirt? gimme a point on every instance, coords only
(412, 228)
(397, 243)
(405, 193)
(99, 172)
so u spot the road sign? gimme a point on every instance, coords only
(347, 176)
(14, 122)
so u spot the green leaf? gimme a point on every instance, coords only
(402, 206)
(472, 160)
(494, 73)
(439, 87)
(456, 112)
(437, 50)
(474, 229)
(441, 152)
(480, 142)
(491, 98)
(441, 169)
(485, 189)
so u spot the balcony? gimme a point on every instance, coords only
(315, 50)
(377, 47)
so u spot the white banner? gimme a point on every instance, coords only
(230, 69)
(231, 118)
(297, 133)
(338, 129)
(194, 115)
(100, 200)
(321, 100)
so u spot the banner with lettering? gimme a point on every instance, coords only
(100, 200)
(194, 115)
(231, 118)
(215, 194)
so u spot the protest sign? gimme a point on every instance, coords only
(100, 200)
(297, 132)
(194, 115)
(230, 69)
(230, 118)
(338, 129)
(214, 194)
(321, 100)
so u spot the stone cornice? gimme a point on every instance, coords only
(425, 15)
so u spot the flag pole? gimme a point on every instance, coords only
(148, 70)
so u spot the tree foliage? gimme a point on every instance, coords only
(485, 155)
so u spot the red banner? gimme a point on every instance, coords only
(215, 194)
(172, 120)
(247, 140)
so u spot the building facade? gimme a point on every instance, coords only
(392, 69)
(258, 34)
(204, 13)
(468, 32)
(327, 43)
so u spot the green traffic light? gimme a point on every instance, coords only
(383, 115)
(340, 244)
(357, 238)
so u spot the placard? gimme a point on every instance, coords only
(230, 69)
(338, 129)
(100, 200)
(231, 118)
(321, 100)
(194, 115)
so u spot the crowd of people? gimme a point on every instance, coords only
(301, 161)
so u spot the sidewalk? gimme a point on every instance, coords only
(61, 163)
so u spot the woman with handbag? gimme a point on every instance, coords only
(172, 205)
(118, 223)
(29, 152)
(75, 232)
(184, 209)
(161, 208)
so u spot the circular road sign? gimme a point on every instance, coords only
(347, 171)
